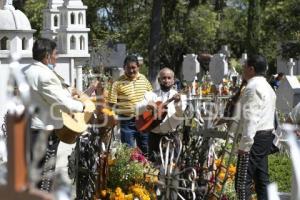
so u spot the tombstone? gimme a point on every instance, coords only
(225, 50)
(288, 94)
(218, 68)
(243, 59)
(281, 62)
(190, 67)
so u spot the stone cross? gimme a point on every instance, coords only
(243, 59)
(290, 66)
(17, 187)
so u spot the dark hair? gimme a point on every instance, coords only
(42, 47)
(280, 74)
(131, 58)
(259, 63)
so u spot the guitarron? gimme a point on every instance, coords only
(76, 123)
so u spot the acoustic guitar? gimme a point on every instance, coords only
(151, 118)
(76, 123)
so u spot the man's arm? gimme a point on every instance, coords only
(251, 105)
(146, 103)
(180, 103)
(56, 95)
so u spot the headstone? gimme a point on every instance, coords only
(288, 94)
(218, 68)
(190, 67)
(225, 50)
(243, 58)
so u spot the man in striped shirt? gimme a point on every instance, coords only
(125, 93)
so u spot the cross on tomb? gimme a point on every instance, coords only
(17, 187)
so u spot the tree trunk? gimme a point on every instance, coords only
(253, 28)
(154, 53)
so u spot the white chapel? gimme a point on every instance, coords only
(64, 21)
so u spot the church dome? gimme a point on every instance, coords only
(11, 19)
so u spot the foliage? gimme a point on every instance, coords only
(279, 21)
(123, 171)
(228, 190)
(290, 49)
(236, 65)
(33, 9)
(188, 27)
(254, 27)
(280, 170)
(233, 29)
(188, 30)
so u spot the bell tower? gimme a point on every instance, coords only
(73, 33)
(51, 19)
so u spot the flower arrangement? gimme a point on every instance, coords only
(228, 190)
(129, 176)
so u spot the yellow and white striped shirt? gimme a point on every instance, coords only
(126, 93)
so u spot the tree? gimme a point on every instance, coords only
(33, 10)
(155, 30)
(186, 30)
(254, 26)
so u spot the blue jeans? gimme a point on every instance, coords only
(129, 134)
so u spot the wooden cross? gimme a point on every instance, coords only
(17, 187)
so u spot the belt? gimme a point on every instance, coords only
(264, 131)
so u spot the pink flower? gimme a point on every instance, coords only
(137, 155)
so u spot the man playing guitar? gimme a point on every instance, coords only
(174, 110)
(50, 98)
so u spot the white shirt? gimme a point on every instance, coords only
(258, 102)
(175, 111)
(46, 91)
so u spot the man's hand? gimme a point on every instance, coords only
(177, 97)
(151, 106)
(94, 84)
(75, 93)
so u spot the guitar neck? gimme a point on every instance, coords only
(90, 90)
(169, 101)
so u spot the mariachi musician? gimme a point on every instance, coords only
(50, 97)
(173, 105)
(258, 102)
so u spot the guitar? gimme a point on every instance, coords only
(152, 117)
(76, 123)
(231, 104)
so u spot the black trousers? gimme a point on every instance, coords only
(48, 161)
(253, 166)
